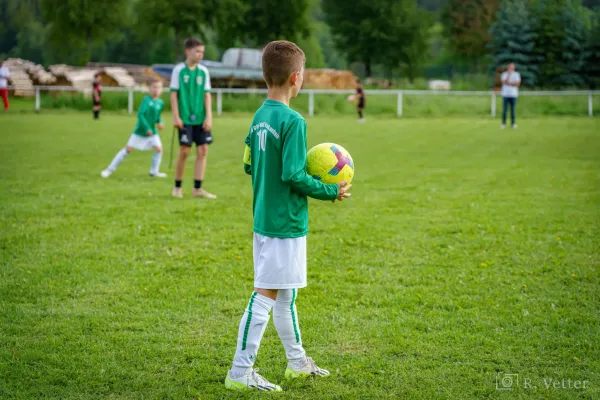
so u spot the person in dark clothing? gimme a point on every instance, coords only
(360, 96)
(97, 95)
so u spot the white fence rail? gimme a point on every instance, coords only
(313, 92)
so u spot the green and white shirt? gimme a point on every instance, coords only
(148, 116)
(275, 156)
(191, 84)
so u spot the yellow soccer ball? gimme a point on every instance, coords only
(330, 163)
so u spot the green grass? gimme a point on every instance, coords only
(415, 106)
(465, 251)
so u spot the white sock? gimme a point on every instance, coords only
(117, 160)
(252, 327)
(286, 322)
(156, 159)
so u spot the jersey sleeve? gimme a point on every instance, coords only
(207, 87)
(142, 121)
(294, 165)
(174, 86)
(247, 156)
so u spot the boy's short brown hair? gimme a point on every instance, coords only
(154, 81)
(280, 59)
(192, 42)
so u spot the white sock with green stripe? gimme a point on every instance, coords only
(252, 327)
(117, 160)
(286, 322)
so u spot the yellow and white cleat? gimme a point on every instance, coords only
(306, 368)
(250, 381)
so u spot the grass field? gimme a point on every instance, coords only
(464, 252)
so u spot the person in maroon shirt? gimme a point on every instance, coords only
(97, 95)
(360, 95)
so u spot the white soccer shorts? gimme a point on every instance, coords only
(279, 263)
(144, 142)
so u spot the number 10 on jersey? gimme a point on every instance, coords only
(262, 139)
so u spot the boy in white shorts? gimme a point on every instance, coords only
(275, 157)
(145, 135)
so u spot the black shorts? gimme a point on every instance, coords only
(190, 134)
(361, 104)
(97, 103)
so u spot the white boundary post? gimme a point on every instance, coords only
(590, 106)
(311, 103)
(493, 105)
(37, 99)
(219, 103)
(130, 101)
(399, 105)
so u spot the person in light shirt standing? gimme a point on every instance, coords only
(4, 74)
(511, 80)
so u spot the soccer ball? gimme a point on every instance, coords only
(330, 163)
(351, 98)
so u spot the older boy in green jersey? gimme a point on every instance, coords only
(191, 103)
(145, 136)
(276, 158)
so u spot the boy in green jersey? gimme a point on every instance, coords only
(191, 103)
(145, 136)
(275, 157)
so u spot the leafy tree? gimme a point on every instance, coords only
(574, 42)
(19, 20)
(592, 55)
(405, 40)
(561, 35)
(179, 18)
(257, 22)
(550, 38)
(467, 24)
(378, 31)
(513, 39)
(78, 24)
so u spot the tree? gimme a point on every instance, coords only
(574, 41)
(254, 23)
(550, 39)
(467, 24)
(388, 32)
(561, 35)
(177, 17)
(405, 40)
(78, 24)
(592, 55)
(513, 39)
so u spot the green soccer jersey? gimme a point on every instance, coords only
(276, 158)
(190, 85)
(148, 116)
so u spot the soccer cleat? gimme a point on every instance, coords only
(502, 126)
(105, 174)
(306, 368)
(158, 175)
(362, 120)
(177, 192)
(250, 381)
(514, 126)
(203, 193)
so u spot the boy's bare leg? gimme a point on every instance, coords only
(184, 152)
(199, 171)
